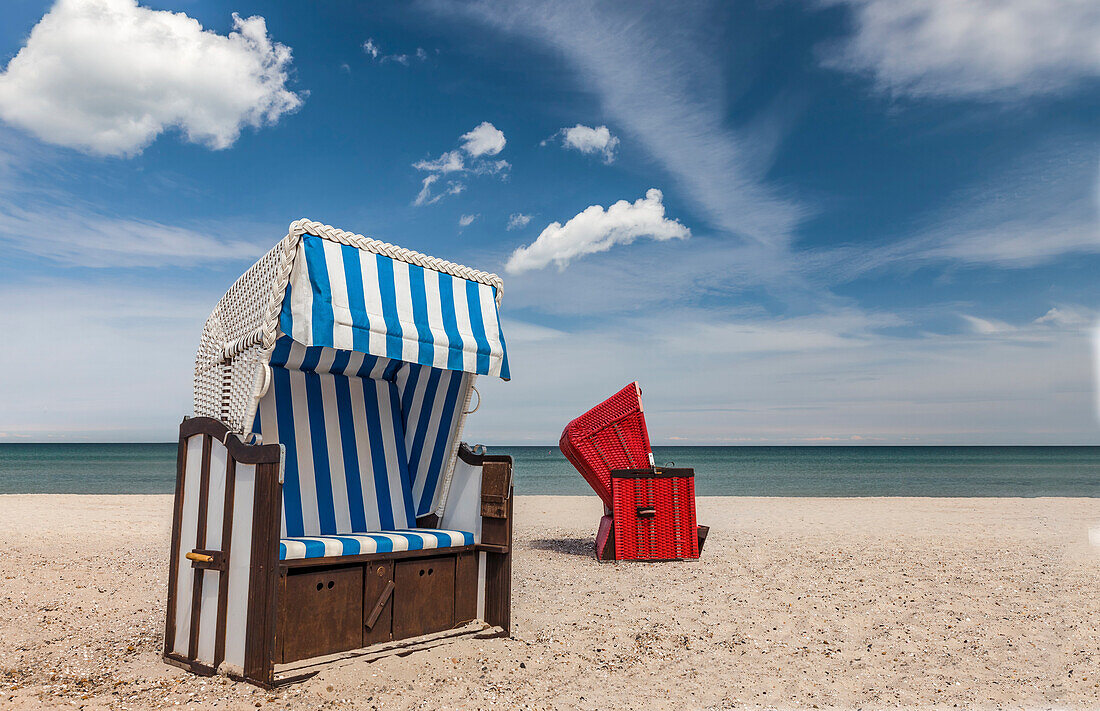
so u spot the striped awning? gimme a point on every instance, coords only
(343, 297)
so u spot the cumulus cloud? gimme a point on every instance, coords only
(467, 220)
(979, 48)
(517, 221)
(590, 141)
(108, 76)
(471, 158)
(485, 140)
(598, 230)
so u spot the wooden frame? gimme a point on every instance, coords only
(238, 622)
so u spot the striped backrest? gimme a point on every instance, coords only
(338, 414)
(431, 405)
(367, 439)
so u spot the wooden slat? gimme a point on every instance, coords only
(223, 575)
(200, 542)
(174, 553)
(259, 655)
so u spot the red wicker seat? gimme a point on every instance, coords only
(650, 511)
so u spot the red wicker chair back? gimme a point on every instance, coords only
(612, 435)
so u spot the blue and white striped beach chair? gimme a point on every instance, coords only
(324, 501)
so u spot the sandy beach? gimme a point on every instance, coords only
(807, 603)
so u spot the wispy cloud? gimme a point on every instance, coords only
(518, 220)
(1040, 210)
(993, 49)
(598, 230)
(56, 395)
(373, 50)
(467, 220)
(80, 237)
(724, 378)
(471, 158)
(109, 77)
(666, 89)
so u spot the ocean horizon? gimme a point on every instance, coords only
(744, 470)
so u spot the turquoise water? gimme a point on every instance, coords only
(726, 471)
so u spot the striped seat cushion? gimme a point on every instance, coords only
(411, 539)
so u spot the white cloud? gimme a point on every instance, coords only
(374, 51)
(449, 162)
(517, 221)
(974, 48)
(1068, 317)
(484, 140)
(107, 77)
(590, 141)
(598, 230)
(467, 220)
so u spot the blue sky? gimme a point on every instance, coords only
(873, 222)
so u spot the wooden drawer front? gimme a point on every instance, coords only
(378, 595)
(322, 613)
(423, 596)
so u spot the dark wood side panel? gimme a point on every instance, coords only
(498, 580)
(496, 498)
(465, 587)
(173, 557)
(259, 654)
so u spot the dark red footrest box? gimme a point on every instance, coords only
(654, 513)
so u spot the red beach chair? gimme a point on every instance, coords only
(649, 511)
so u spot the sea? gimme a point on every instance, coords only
(719, 471)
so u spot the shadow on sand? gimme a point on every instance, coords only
(571, 546)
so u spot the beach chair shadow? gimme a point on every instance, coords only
(569, 546)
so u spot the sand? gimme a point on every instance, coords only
(796, 603)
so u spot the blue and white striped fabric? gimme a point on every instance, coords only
(431, 403)
(377, 542)
(338, 413)
(346, 298)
